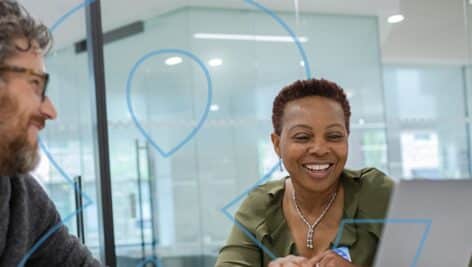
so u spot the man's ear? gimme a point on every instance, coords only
(276, 143)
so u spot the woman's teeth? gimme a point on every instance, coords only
(317, 167)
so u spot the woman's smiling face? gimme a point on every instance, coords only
(313, 143)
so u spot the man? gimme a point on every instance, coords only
(26, 212)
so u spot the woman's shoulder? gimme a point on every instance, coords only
(259, 202)
(370, 196)
(263, 196)
(371, 179)
(374, 189)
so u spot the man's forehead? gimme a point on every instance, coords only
(25, 45)
(32, 58)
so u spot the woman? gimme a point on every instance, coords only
(297, 218)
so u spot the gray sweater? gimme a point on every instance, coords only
(26, 214)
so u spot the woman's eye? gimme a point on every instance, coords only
(301, 137)
(335, 137)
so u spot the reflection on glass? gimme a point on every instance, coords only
(250, 59)
(409, 116)
(427, 133)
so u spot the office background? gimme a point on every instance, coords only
(409, 85)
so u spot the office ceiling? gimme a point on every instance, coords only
(434, 31)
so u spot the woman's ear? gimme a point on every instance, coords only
(276, 143)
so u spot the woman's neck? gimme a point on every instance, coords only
(309, 202)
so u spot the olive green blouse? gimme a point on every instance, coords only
(366, 196)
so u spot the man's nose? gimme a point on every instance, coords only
(48, 110)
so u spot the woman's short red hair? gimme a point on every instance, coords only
(306, 88)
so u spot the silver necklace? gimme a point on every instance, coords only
(311, 227)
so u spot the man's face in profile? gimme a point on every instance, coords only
(23, 111)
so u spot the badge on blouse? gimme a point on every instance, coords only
(343, 252)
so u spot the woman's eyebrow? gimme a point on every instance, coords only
(300, 125)
(334, 125)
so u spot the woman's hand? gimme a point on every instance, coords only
(329, 259)
(291, 261)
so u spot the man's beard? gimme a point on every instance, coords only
(17, 154)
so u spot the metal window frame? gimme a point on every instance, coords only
(97, 74)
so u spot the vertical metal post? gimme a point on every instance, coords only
(467, 123)
(465, 71)
(151, 169)
(140, 198)
(79, 206)
(96, 62)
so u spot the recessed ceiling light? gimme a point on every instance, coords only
(249, 37)
(395, 18)
(214, 107)
(214, 62)
(302, 63)
(173, 61)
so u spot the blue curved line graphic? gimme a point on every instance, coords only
(152, 260)
(52, 230)
(69, 13)
(60, 170)
(133, 115)
(247, 191)
(282, 23)
(241, 227)
(426, 222)
(224, 210)
(88, 200)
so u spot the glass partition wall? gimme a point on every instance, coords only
(69, 165)
(190, 86)
(249, 57)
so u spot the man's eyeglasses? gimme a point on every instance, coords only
(40, 85)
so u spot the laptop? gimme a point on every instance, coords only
(429, 224)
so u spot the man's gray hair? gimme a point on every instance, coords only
(16, 22)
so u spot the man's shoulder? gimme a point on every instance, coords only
(27, 187)
(29, 201)
(28, 180)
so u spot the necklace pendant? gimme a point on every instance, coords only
(309, 238)
(311, 227)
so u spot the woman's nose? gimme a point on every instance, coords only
(318, 148)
